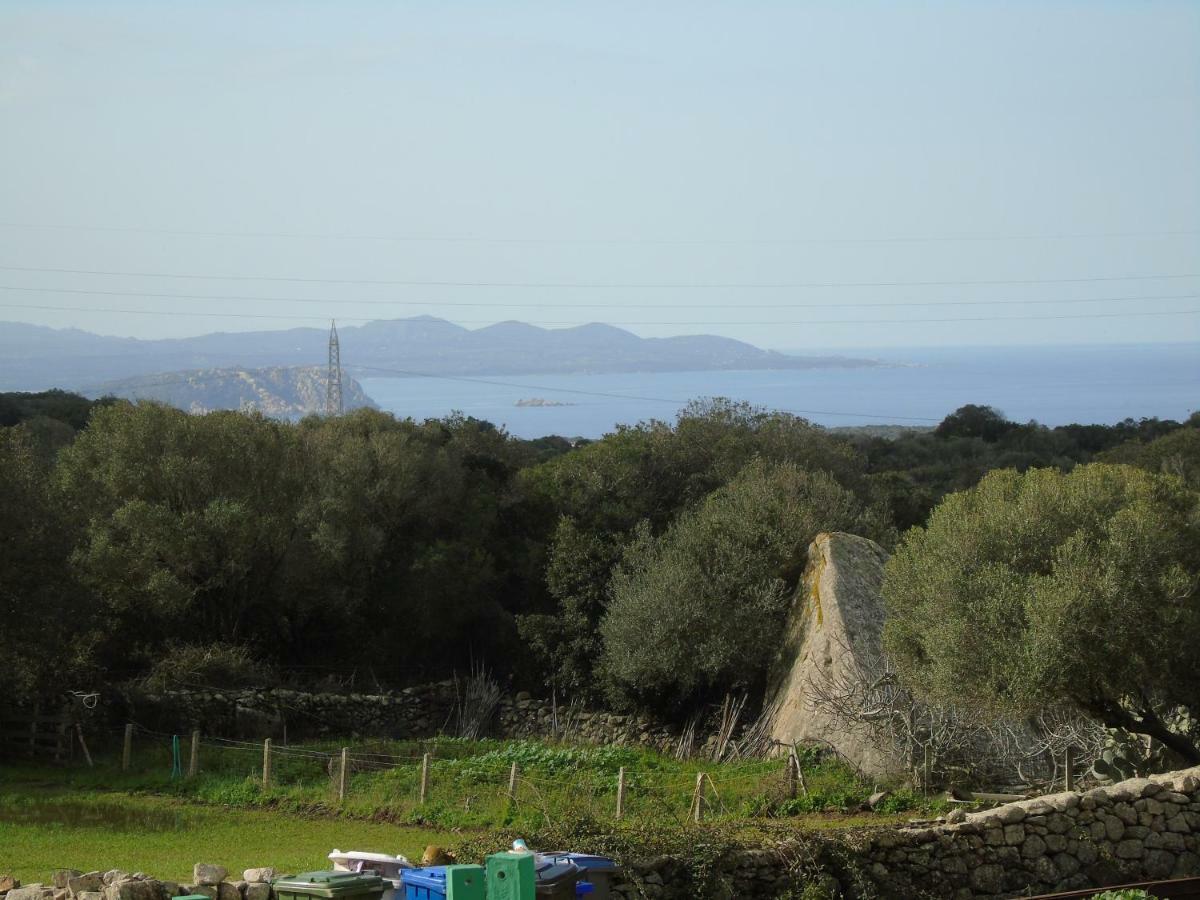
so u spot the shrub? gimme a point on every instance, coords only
(698, 611)
(212, 665)
(1041, 588)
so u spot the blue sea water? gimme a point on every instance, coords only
(1052, 385)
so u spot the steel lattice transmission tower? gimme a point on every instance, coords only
(333, 378)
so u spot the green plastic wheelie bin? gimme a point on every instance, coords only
(330, 886)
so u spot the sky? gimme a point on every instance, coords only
(797, 175)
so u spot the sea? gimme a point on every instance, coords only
(1053, 385)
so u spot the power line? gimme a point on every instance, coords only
(600, 285)
(483, 239)
(805, 323)
(326, 301)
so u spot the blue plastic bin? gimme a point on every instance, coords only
(428, 883)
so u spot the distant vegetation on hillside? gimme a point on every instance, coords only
(367, 547)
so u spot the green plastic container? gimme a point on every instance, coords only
(511, 876)
(444, 883)
(329, 885)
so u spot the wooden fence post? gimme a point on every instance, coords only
(424, 778)
(266, 781)
(127, 751)
(698, 799)
(799, 771)
(342, 774)
(791, 776)
(512, 784)
(1069, 779)
(620, 792)
(194, 757)
(83, 744)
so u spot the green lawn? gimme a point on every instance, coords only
(145, 819)
(469, 783)
(42, 829)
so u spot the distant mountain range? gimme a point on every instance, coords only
(33, 357)
(282, 392)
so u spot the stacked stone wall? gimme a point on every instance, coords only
(1141, 829)
(413, 713)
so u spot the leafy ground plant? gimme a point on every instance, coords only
(469, 781)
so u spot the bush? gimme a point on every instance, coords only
(1041, 588)
(211, 666)
(698, 611)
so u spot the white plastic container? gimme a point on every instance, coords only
(387, 867)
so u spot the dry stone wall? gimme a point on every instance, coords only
(413, 713)
(1141, 829)
(1138, 830)
(524, 716)
(208, 880)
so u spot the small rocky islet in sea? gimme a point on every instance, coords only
(542, 401)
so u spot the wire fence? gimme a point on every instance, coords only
(439, 781)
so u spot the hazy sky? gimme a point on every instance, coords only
(741, 154)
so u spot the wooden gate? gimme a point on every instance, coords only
(38, 737)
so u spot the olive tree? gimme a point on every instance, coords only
(698, 610)
(44, 616)
(1040, 588)
(185, 522)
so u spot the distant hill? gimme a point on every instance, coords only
(33, 357)
(279, 391)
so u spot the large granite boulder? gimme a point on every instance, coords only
(832, 636)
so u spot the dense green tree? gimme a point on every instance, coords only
(974, 421)
(698, 611)
(407, 520)
(186, 523)
(70, 409)
(1175, 453)
(1042, 588)
(914, 469)
(44, 616)
(51, 419)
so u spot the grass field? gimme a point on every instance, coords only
(145, 819)
(45, 828)
(469, 782)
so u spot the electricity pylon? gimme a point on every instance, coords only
(333, 378)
